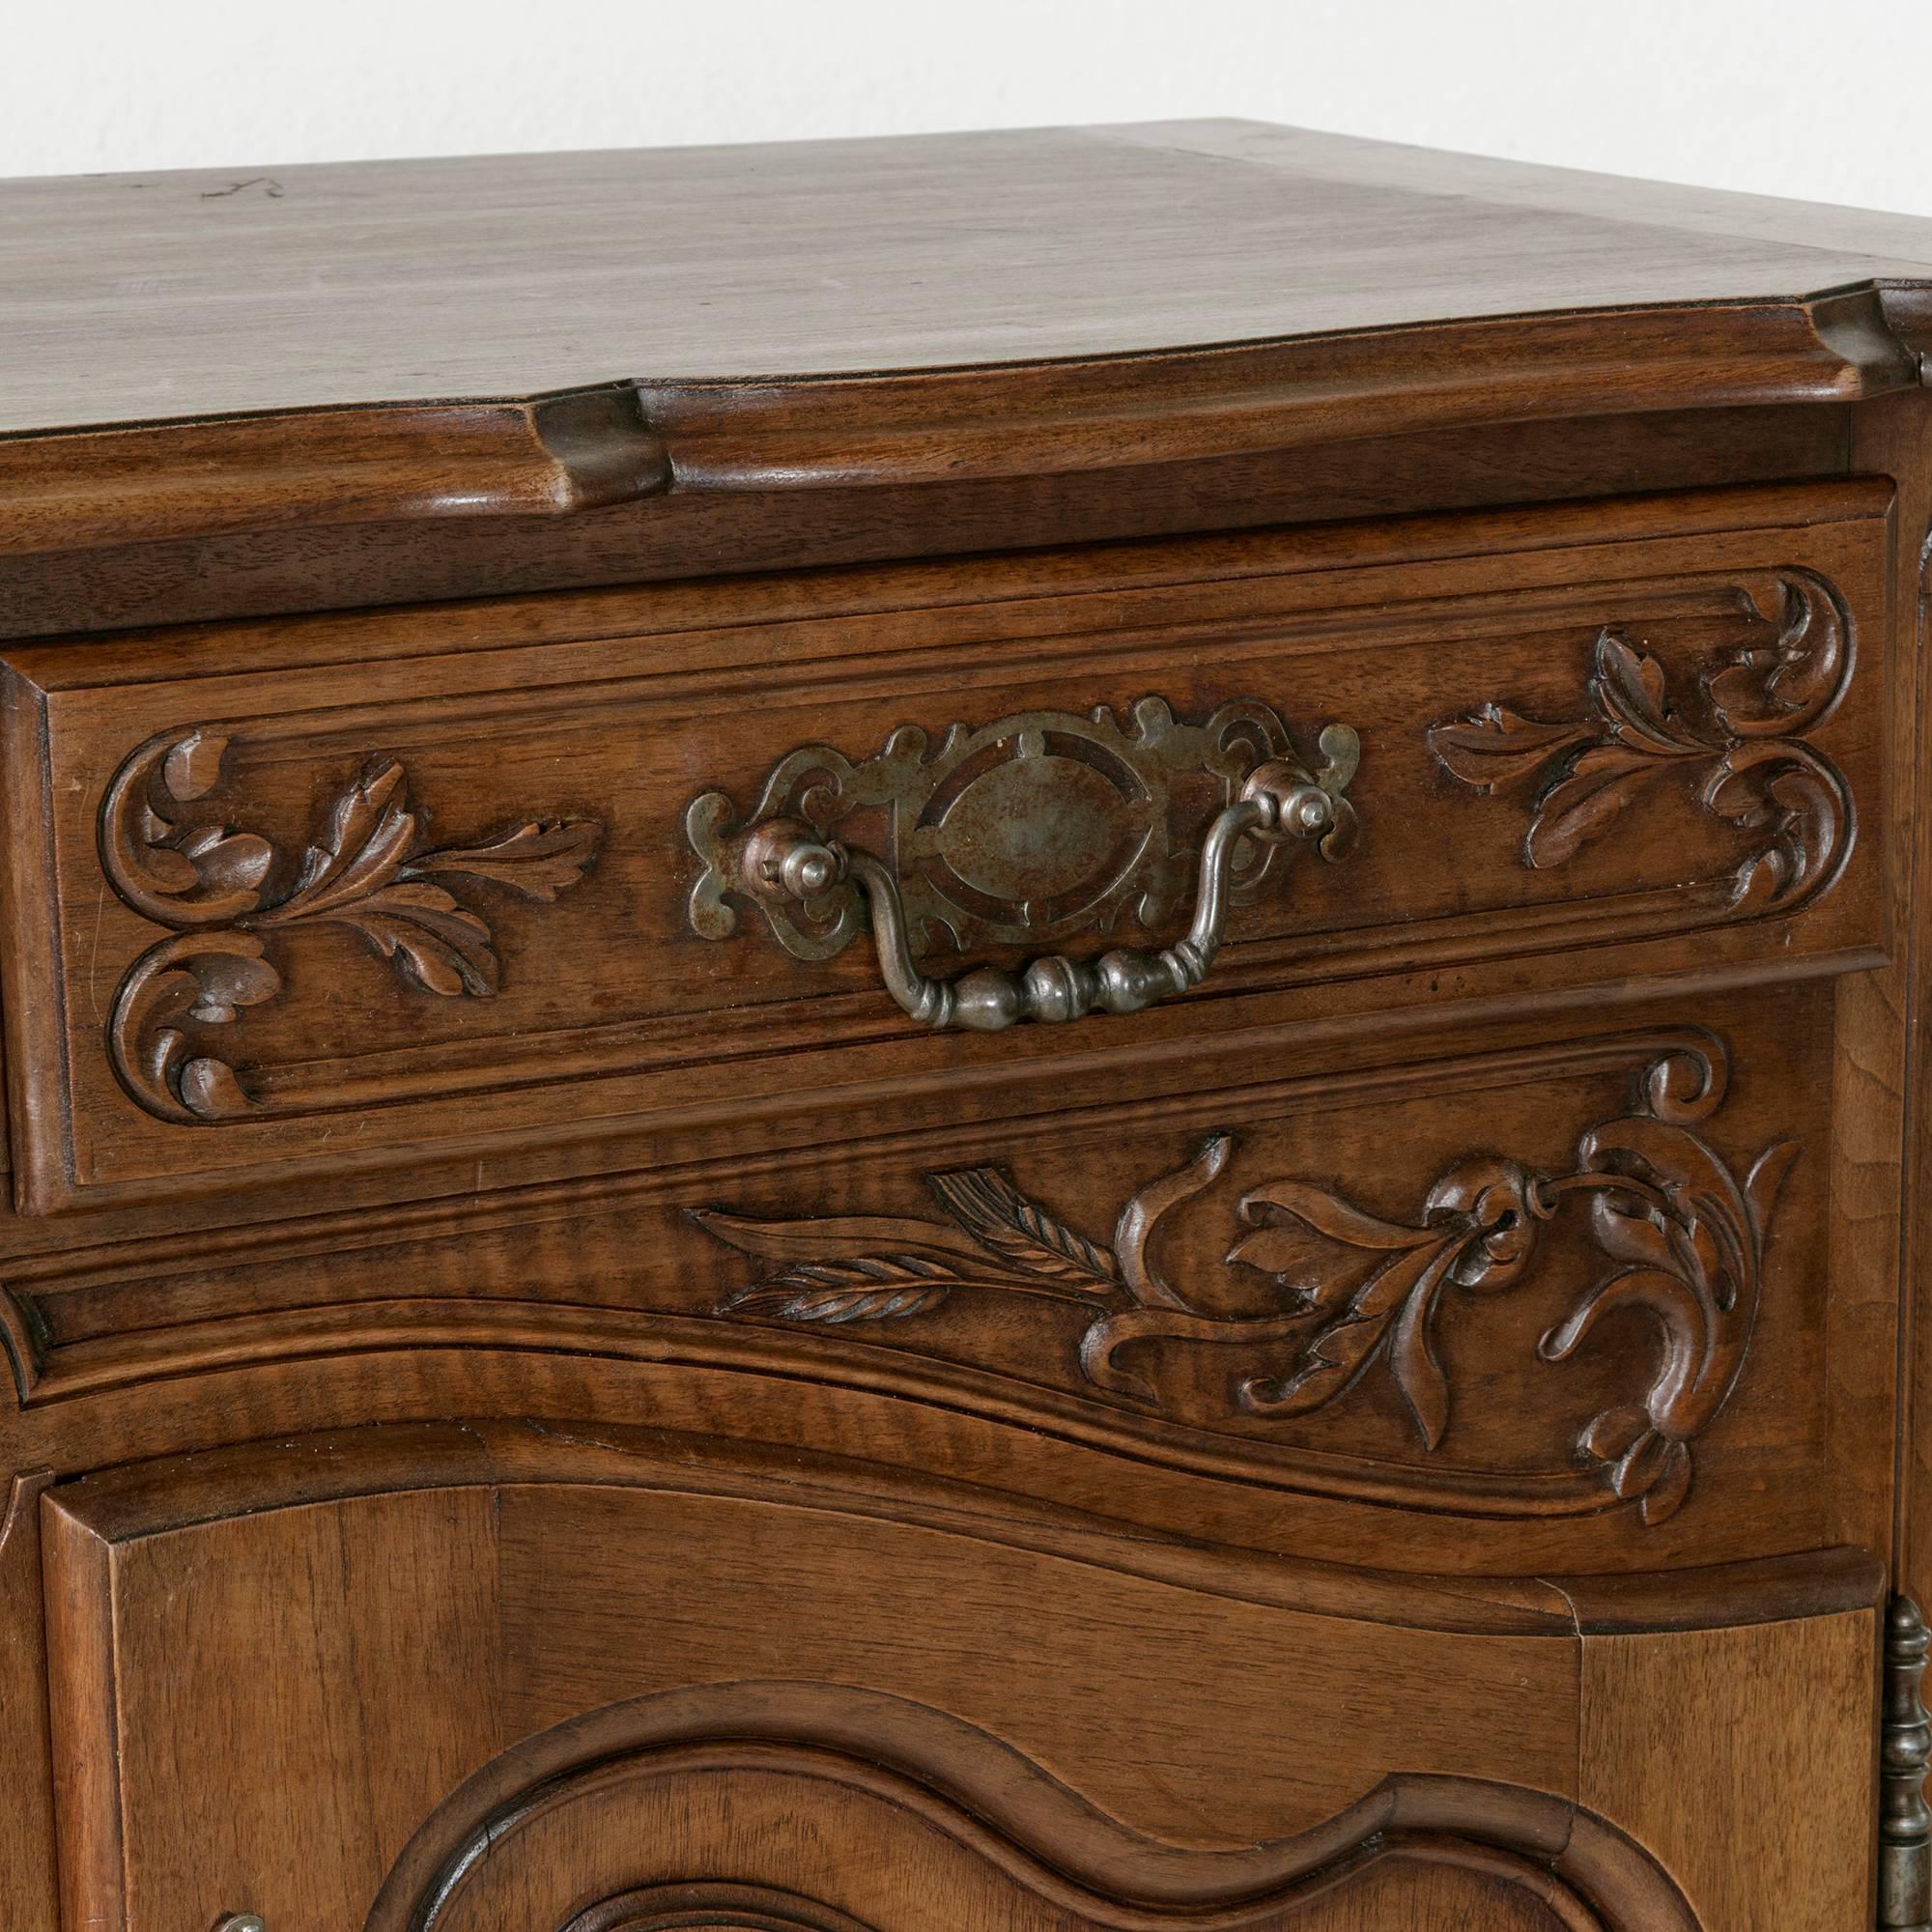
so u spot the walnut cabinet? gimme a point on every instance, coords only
(1001, 1032)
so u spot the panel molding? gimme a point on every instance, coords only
(1651, 1178)
(1043, 1837)
(716, 1908)
(549, 1075)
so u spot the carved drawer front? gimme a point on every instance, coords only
(442, 1680)
(1555, 1293)
(1557, 1298)
(500, 881)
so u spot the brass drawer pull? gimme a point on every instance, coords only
(817, 891)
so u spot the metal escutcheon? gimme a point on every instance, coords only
(792, 867)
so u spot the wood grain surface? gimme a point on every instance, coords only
(1091, 1746)
(538, 1400)
(890, 312)
(431, 280)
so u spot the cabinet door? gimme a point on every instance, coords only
(519, 1679)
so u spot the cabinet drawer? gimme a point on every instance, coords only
(468, 886)
(458, 1680)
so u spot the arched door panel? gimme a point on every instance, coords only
(299, 1680)
(834, 1809)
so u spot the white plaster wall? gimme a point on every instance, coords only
(1828, 100)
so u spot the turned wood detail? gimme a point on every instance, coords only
(1740, 742)
(228, 894)
(1684, 1234)
(1905, 1747)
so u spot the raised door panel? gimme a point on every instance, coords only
(527, 1679)
(257, 1710)
(814, 1843)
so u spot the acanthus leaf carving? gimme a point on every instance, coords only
(1746, 752)
(210, 886)
(1685, 1237)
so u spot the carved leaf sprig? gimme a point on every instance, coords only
(445, 948)
(1388, 1314)
(885, 1268)
(1001, 1218)
(1494, 747)
(362, 871)
(370, 829)
(874, 1287)
(1592, 768)
(1757, 775)
(1475, 1235)
(1692, 1240)
(538, 859)
(1687, 1239)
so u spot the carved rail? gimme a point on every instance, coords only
(1684, 1233)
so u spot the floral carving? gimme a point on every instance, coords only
(212, 886)
(1476, 1235)
(1740, 744)
(1684, 1236)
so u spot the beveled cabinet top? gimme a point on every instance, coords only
(131, 297)
(553, 333)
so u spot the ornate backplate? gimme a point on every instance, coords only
(1036, 825)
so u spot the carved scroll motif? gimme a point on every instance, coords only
(1739, 741)
(1684, 1236)
(215, 889)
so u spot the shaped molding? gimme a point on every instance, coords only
(910, 1768)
